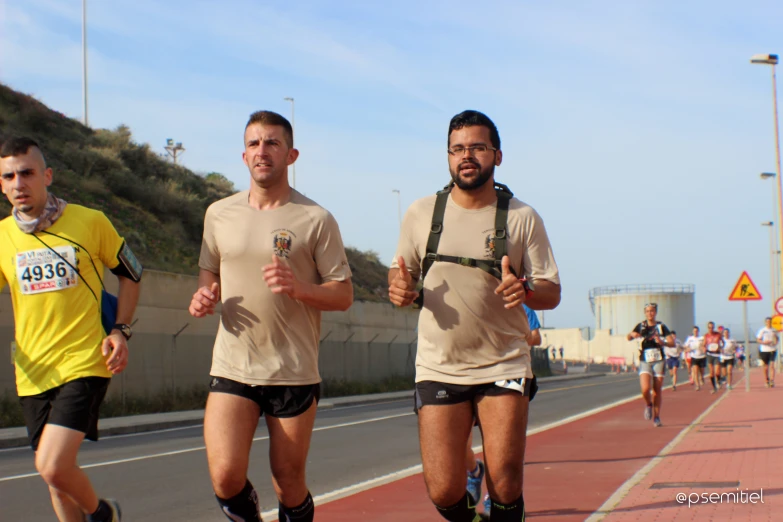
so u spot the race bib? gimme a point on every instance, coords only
(42, 270)
(713, 348)
(652, 355)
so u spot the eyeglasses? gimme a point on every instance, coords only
(473, 149)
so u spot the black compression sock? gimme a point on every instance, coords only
(462, 511)
(102, 514)
(242, 506)
(304, 512)
(514, 512)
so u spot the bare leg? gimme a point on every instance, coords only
(289, 444)
(504, 428)
(55, 460)
(657, 396)
(443, 435)
(229, 424)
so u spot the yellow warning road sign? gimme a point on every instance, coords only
(777, 322)
(745, 290)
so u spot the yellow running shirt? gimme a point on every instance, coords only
(57, 319)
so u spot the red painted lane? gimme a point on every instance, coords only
(570, 470)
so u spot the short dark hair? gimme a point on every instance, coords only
(710, 323)
(475, 119)
(673, 332)
(696, 327)
(17, 146)
(767, 318)
(273, 118)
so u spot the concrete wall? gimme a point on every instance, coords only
(576, 346)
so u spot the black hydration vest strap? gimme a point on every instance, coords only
(493, 267)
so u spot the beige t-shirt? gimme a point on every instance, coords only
(265, 338)
(466, 336)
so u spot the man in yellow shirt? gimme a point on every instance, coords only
(52, 256)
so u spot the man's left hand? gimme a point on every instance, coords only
(280, 278)
(510, 286)
(115, 347)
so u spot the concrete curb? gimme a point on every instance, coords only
(17, 437)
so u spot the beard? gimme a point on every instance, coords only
(477, 182)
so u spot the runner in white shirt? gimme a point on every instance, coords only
(698, 357)
(727, 356)
(768, 341)
(673, 359)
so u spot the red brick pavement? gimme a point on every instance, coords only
(739, 440)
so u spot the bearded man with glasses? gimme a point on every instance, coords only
(458, 257)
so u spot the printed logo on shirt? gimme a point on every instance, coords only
(282, 242)
(489, 245)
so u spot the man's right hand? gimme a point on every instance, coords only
(204, 301)
(401, 290)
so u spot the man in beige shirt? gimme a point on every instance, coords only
(473, 358)
(275, 260)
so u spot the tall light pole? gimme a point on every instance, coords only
(772, 271)
(399, 207)
(772, 60)
(293, 167)
(774, 247)
(84, 59)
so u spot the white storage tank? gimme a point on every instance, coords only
(620, 308)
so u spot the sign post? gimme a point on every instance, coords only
(745, 291)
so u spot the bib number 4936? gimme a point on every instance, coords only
(44, 270)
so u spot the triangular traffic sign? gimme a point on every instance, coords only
(745, 290)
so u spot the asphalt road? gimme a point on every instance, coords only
(163, 475)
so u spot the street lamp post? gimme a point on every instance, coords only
(772, 61)
(293, 167)
(772, 274)
(84, 59)
(774, 247)
(399, 207)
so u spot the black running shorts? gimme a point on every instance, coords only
(73, 405)
(429, 393)
(275, 401)
(700, 363)
(768, 357)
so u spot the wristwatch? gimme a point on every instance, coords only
(124, 329)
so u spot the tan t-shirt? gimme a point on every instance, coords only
(265, 338)
(466, 336)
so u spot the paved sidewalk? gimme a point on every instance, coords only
(736, 448)
(17, 437)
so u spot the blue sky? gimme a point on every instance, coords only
(637, 129)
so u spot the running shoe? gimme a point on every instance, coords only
(648, 412)
(657, 422)
(474, 483)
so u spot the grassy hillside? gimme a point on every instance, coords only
(156, 205)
